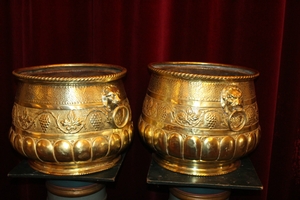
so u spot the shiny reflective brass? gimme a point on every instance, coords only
(71, 119)
(200, 118)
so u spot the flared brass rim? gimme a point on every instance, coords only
(31, 73)
(184, 70)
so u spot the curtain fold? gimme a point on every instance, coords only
(285, 165)
(263, 35)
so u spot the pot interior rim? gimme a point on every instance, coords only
(75, 72)
(202, 70)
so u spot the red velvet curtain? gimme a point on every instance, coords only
(259, 34)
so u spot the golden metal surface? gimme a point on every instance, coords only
(71, 119)
(200, 118)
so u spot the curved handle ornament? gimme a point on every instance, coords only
(232, 104)
(121, 116)
(237, 120)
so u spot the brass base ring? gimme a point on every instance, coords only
(196, 167)
(73, 168)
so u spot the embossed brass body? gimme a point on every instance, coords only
(200, 118)
(71, 119)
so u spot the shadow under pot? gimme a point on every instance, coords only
(200, 118)
(71, 119)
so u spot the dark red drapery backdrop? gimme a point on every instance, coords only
(259, 34)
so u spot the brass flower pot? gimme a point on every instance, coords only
(200, 118)
(71, 119)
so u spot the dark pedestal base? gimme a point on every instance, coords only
(179, 193)
(64, 190)
(83, 187)
(205, 187)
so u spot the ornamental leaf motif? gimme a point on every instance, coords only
(24, 119)
(72, 124)
(186, 117)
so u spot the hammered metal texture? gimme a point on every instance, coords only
(71, 119)
(200, 118)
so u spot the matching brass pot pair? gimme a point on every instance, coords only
(72, 119)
